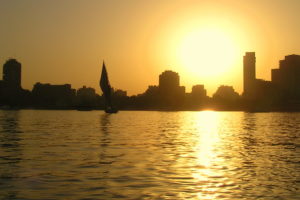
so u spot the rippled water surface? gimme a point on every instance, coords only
(149, 155)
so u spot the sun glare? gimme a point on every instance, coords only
(208, 52)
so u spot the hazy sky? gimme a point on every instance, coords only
(65, 41)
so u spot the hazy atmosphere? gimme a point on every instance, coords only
(150, 99)
(65, 41)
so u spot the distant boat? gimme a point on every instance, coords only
(107, 90)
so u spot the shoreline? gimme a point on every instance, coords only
(161, 110)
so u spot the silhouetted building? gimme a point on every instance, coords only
(197, 99)
(1, 85)
(167, 95)
(2, 88)
(225, 98)
(11, 92)
(255, 89)
(249, 74)
(170, 92)
(152, 90)
(120, 93)
(53, 95)
(119, 98)
(150, 99)
(226, 93)
(287, 77)
(168, 80)
(86, 91)
(198, 91)
(12, 73)
(86, 97)
(169, 83)
(264, 90)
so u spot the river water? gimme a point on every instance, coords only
(149, 155)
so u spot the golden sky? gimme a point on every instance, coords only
(65, 41)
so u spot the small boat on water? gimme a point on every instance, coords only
(107, 91)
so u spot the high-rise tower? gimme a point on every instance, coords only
(249, 74)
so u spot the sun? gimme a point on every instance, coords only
(207, 51)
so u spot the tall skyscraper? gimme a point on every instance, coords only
(12, 73)
(249, 74)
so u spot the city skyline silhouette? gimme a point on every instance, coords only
(201, 40)
(281, 93)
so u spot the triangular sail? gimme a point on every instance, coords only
(105, 86)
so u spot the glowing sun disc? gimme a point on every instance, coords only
(208, 52)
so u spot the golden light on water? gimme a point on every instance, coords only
(154, 155)
(206, 154)
(206, 142)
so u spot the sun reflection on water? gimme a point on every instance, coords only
(207, 140)
(207, 137)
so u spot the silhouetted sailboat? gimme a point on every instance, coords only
(107, 90)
